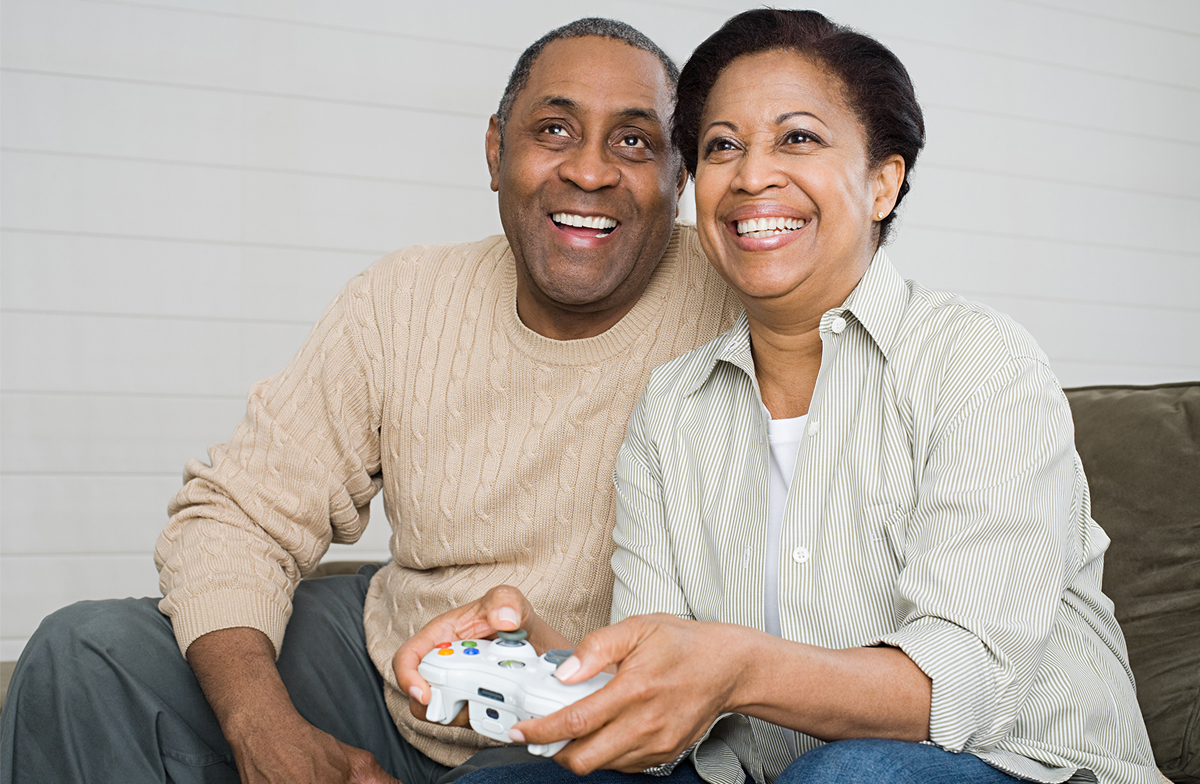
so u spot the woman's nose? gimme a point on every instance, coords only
(757, 171)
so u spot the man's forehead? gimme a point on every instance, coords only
(575, 73)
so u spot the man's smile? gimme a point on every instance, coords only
(600, 225)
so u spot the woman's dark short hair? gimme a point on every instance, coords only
(877, 87)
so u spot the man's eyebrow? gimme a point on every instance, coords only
(559, 102)
(640, 114)
(570, 104)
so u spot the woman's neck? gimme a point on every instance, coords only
(785, 338)
(786, 363)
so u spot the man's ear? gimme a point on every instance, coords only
(493, 151)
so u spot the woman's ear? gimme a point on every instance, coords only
(888, 177)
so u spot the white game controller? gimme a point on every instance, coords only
(502, 682)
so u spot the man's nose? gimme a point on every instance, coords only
(591, 167)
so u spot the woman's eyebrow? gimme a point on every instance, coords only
(715, 123)
(781, 119)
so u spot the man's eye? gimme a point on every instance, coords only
(632, 140)
(557, 129)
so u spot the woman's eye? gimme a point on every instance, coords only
(718, 145)
(799, 137)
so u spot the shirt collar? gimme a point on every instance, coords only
(878, 303)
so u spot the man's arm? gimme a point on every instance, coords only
(271, 741)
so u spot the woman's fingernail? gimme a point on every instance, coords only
(567, 668)
(510, 615)
(415, 693)
(516, 735)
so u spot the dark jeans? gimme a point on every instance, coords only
(101, 694)
(865, 761)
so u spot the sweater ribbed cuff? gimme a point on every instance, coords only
(227, 609)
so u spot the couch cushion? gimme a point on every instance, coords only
(1140, 447)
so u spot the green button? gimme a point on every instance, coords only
(470, 644)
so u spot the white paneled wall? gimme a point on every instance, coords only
(184, 184)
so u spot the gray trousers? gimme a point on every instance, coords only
(102, 694)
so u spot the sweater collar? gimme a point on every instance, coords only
(633, 325)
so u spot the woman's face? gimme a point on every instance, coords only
(786, 203)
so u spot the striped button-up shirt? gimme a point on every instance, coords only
(938, 505)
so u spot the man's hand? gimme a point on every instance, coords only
(503, 608)
(271, 741)
(675, 677)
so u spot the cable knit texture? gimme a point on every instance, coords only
(494, 447)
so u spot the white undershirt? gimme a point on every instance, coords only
(784, 436)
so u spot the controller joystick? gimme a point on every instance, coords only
(501, 682)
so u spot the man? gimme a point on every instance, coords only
(483, 387)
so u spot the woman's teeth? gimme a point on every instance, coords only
(604, 225)
(757, 228)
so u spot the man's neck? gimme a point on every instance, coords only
(563, 322)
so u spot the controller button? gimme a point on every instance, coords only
(558, 655)
(512, 664)
(470, 644)
(494, 727)
(492, 713)
(445, 651)
(517, 635)
(443, 645)
(471, 651)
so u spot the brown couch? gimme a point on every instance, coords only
(1141, 449)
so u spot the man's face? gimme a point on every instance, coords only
(588, 183)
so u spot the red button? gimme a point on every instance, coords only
(443, 645)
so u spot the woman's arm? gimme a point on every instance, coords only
(677, 676)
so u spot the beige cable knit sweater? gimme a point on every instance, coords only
(494, 448)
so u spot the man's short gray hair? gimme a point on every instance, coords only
(580, 28)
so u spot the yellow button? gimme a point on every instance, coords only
(445, 651)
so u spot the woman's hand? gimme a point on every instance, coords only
(675, 677)
(503, 608)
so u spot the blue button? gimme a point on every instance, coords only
(470, 651)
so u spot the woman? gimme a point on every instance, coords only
(866, 492)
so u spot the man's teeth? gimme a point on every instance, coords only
(757, 228)
(604, 225)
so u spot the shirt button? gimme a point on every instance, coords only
(838, 325)
(813, 428)
(800, 555)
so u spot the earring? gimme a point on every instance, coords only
(880, 216)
